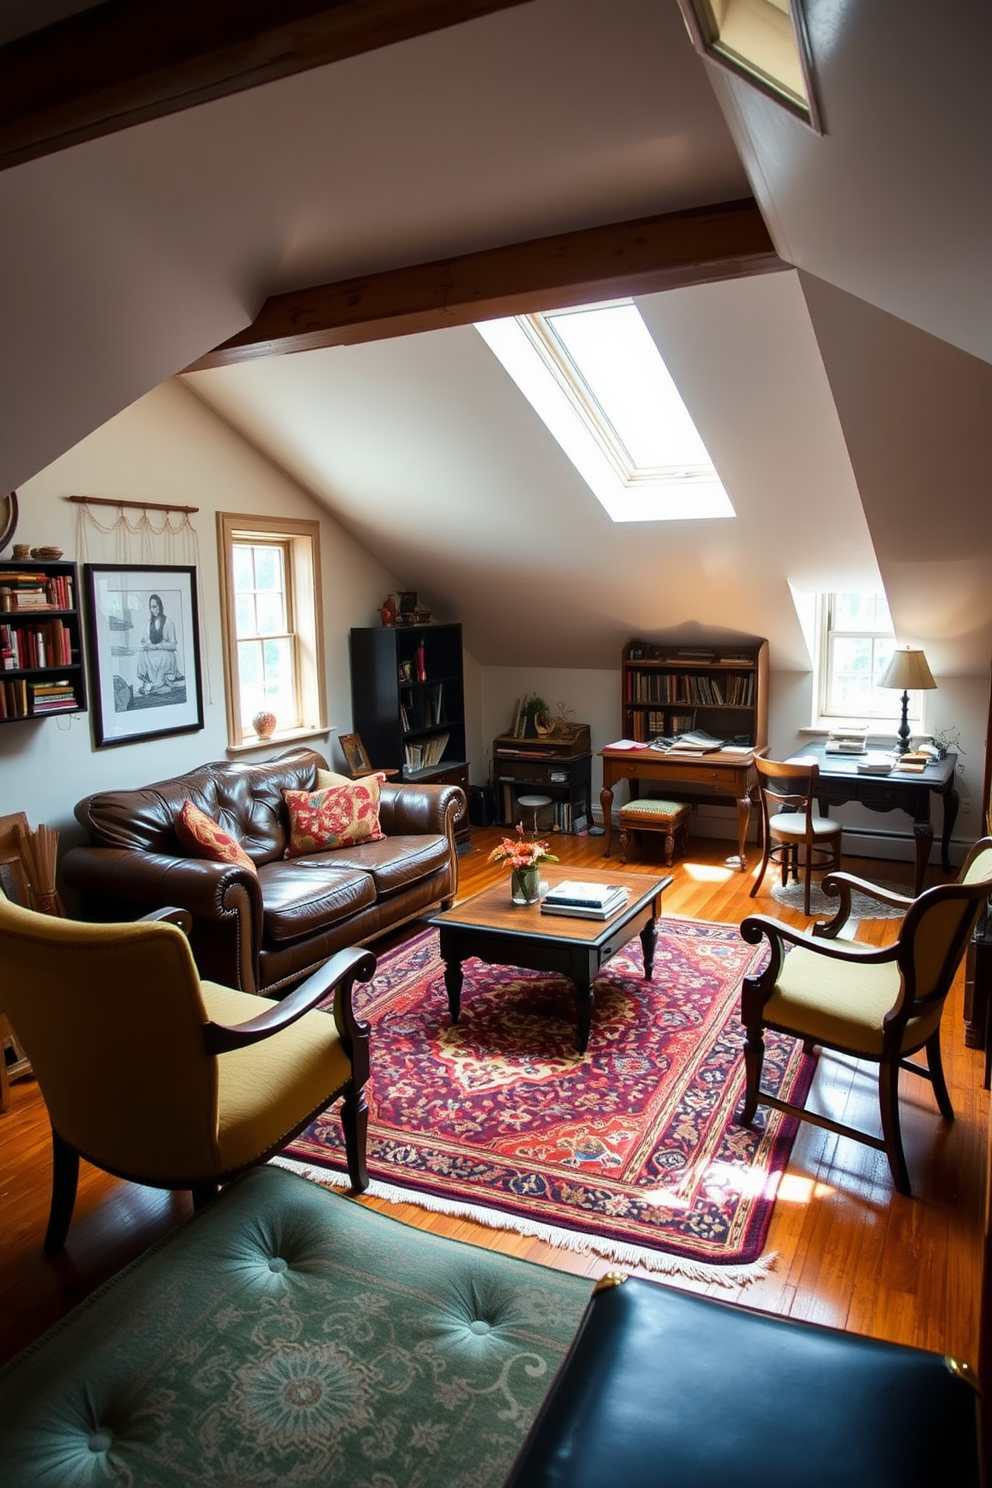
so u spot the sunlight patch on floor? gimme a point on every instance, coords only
(708, 872)
(796, 1190)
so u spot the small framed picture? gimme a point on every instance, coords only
(406, 671)
(144, 651)
(355, 757)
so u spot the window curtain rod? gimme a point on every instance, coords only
(137, 505)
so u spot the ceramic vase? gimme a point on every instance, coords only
(525, 885)
(264, 723)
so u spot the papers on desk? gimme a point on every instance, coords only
(627, 744)
(876, 762)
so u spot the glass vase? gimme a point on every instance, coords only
(525, 885)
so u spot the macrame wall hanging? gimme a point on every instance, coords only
(159, 534)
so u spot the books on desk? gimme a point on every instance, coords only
(853, 743)
(584, 900)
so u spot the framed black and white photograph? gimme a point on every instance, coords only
(143, 641)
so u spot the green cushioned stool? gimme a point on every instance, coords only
(288, 1335)
(650, 815)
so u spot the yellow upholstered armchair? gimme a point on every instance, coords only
(879, 1004)
(164, 1079)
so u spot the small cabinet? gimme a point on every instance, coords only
(719, 689)
(544, 767)
(41, 654)
(408, 702)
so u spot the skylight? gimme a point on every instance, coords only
(764, 41)
(595, 376)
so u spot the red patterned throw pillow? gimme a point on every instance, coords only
(340, 816)
(203, 837)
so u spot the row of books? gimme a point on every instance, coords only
(426, 712)
(37, 591)
(425, 753)
(647, 725)
(585, 901)
(24, 647)
(22, 699)
(732, 690)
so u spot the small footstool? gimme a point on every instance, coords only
(650, 815)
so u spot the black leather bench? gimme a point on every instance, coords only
(665, 1389)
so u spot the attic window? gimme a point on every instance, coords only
(596, 377)
(762, 41)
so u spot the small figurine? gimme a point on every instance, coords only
(387, 613)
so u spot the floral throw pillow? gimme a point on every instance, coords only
(205, 838)
(339, 816)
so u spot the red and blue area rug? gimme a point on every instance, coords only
(629, 1150)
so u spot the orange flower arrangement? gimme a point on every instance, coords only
(522, 851)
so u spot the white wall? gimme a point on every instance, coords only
(169, 447)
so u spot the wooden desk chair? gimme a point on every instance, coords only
(793, 834)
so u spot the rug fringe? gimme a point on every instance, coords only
(658, 1261)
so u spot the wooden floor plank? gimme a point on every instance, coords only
(849, 1250)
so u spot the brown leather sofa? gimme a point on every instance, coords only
(264, 932)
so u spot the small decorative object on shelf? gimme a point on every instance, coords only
(387, 613)
(408, 606)
(49, 554)
(21, 551)
(264, 724)
(524, 855)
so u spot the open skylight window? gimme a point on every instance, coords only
(595, 376)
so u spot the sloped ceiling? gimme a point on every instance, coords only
(425, 449)
(835, 400)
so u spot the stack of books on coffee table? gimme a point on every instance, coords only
(590, 901)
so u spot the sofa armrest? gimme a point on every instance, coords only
(115, 881)
(413, 809)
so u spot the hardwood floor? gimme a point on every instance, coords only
(850, 1251)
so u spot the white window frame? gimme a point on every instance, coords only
(533, 356)
(300, 539)
(887, 714)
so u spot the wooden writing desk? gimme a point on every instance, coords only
(724, 773)
(840, 782)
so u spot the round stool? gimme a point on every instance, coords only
(650, 815)
(535, 802)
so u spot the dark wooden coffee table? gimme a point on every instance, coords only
(501, 933)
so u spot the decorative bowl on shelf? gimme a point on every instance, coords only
(48, 554)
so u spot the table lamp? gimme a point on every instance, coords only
(908, 670)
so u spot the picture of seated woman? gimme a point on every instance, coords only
(158, 667)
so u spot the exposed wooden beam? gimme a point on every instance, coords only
(125, 61)
(726, 241)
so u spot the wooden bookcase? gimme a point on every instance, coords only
(721, 689)
(41, 655)
(408, 702)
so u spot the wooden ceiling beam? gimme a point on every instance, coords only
(725, 241)
(123, 62)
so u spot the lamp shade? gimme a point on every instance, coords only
(908, 672)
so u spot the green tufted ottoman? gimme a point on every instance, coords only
(653, 815)
(289, 1336)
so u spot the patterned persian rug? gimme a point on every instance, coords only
(629, 1150)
